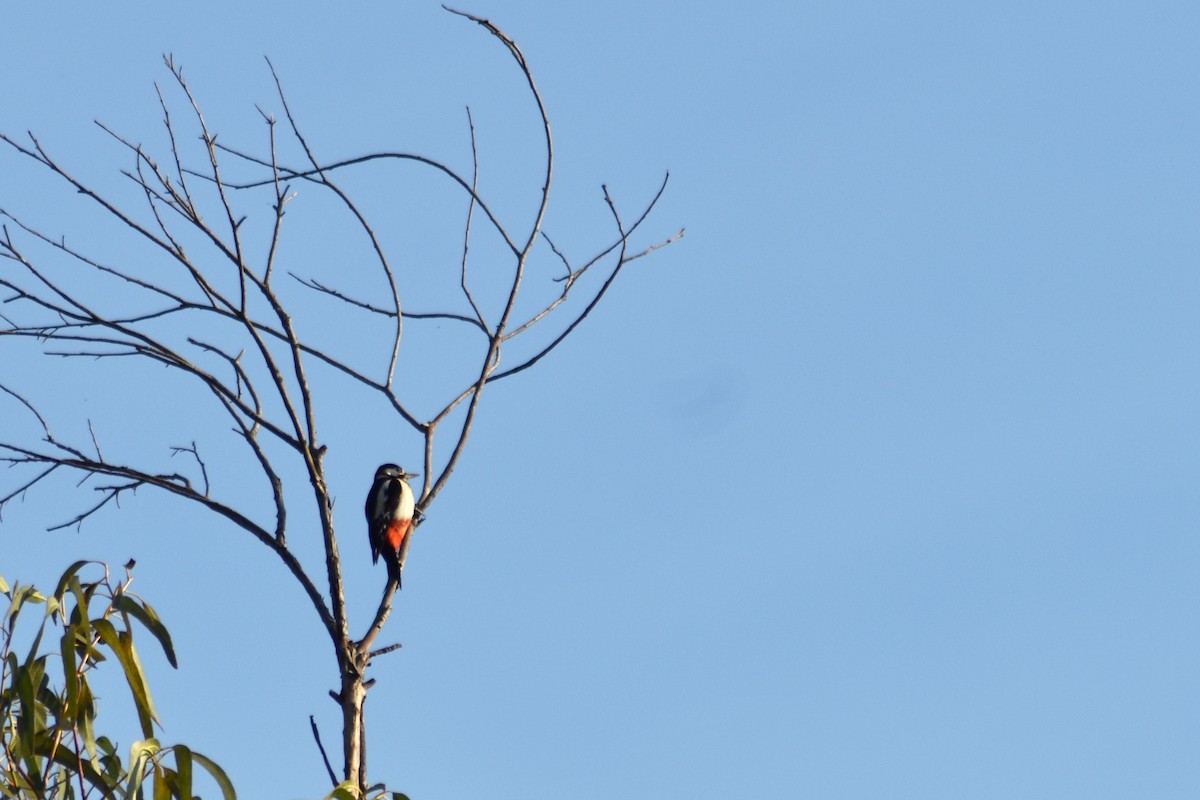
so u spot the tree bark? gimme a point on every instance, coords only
(354, 694)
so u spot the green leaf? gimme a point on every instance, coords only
(37, 644)
(143, 689)
(3, 585)
(109, 761)
(79, 615)
(70, 762)
(67, 575)
(146, 615)
(66, 649)
(25, 722)
(85, 717)
(217, 774)
(183, 769)
(20, 596)
(140, 753)
(121, 643)
(162, 783)
(10, 668)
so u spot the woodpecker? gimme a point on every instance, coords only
(390, 510)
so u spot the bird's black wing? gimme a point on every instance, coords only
(376, 515)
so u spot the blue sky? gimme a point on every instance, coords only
(882, 482)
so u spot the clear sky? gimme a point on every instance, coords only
(883, 482)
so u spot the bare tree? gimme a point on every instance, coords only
(211, 309)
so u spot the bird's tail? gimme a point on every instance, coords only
(395, 568)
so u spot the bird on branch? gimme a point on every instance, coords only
(390, 508)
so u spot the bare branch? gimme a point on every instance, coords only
(20, 490)
(492, 358)
(467, 227)
(38, 154)
(95, 443)
(324, 757)
(281, 199)
(381, 615)
(317, 286)
(173, 483)
(28, 405)
(316, 173)
(365, 226)
(384, 650)
(111, 494)
(199, 461)
(184, 191)
(622, 260)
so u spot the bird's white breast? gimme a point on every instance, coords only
(404, 509)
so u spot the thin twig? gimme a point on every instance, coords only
(324, 756)
(467, 227)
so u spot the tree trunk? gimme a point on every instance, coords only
(354, 694)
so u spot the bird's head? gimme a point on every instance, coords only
(393, 471)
